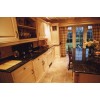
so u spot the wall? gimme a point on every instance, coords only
(5, 52)
(79, 21)
(55, 34)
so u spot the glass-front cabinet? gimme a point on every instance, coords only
(26, 27)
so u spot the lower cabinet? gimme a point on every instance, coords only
(24, 74)
(32, 71)
(38, 68)
(44, 62)
(86, 78)
(53, 53)
(57, 51)
(50, 55)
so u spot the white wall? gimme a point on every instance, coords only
(55, 34)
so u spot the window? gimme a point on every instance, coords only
(89, 27)
(54, 28)
(69, 28)
(69, 38)
(89, 33)
(79, 43)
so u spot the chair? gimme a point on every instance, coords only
(70, 57)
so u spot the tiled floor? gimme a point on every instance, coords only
(58, 72)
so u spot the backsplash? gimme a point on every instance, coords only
(22, 50)
(5, 52)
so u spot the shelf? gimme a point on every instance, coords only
(7, 43)
(43, 38)
(26, 27)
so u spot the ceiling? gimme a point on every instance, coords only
(56, 19)
(62, 19)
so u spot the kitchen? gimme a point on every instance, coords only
(31, 46)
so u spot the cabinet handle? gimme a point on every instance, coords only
(17, 34)
(24, 68)
(43, 62)
(32, 70)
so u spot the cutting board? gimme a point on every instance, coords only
(9, 64)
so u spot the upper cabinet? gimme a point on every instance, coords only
(26, 27)
(8, 29)
(17, 30)
(40, 29)
(44, 30)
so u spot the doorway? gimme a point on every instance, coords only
(69, 39)
(79, 43)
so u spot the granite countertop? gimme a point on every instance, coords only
(23, 60)
(86, 68)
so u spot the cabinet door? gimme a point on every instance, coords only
(53, 54)
(8, 29)
(57, 51)
(38, 68)
(24, 74)
(40, 29)
(49, 56)
(44, 62)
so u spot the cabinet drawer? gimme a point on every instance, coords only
(22, 72)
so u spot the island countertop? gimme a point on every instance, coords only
(86, 68)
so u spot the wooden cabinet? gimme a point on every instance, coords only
(49, 57)
(57, 51)
(44, 30)
(86, 78)
(33, 71)
(40, 29)
(44, 62)
(24, 74)
(8, 29)
(26, 27)
(53, 53)
(38, 68)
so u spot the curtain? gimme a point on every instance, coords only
(96, 32)
(63, 38)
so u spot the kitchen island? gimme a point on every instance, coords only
(87, 71)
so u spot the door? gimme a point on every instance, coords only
(79, 43)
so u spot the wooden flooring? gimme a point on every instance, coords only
(58, 72)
